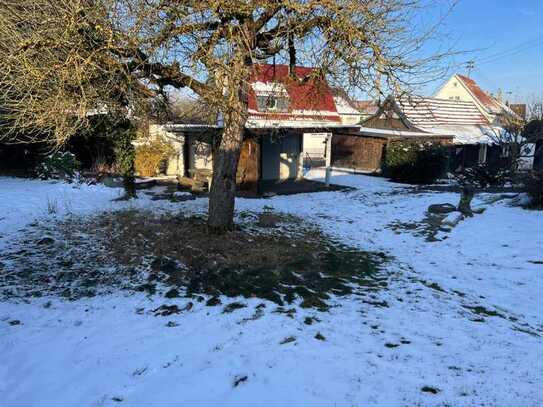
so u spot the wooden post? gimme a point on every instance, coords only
(328, 158)
(300, 171)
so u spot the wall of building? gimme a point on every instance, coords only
(455, 90)
(357, 153)
(280, 157)
(200, 156)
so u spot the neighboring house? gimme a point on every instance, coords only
(473, 133)
(291, 117)
(456, 123)
(348, 112)
(366, 151)
(464, 89)
(367, 108)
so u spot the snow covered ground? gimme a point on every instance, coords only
(459, 325)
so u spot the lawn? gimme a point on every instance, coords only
(345, 298)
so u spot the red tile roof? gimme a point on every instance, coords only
(489, 102)
(310, 97)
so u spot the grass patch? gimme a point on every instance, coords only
(294, 261)
(427, 228)
(280, 259)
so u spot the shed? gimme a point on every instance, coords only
(268, 155)
(366, 151)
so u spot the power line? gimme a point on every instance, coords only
(524, 46)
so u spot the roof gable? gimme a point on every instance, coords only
(489, 102)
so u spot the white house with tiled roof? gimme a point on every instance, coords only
(464, 89)
(461, 119)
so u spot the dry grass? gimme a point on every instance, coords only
(277, 265)
(286, 261)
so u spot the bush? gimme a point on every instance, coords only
(534, 186)
(415, 162)
(491, 174)
(152, 157)
(106, 145)
(59, 165)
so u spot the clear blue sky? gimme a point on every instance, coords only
(509, 30)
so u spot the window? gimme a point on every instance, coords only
(272, 103)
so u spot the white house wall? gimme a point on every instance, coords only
(176, 165)
(454, 89)
(347, 113)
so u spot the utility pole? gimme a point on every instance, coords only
(470, 65)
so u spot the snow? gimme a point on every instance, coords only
(465, 133)
(452, 218)
(101, 352)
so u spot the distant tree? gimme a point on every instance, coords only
(189, 110)
(63, 60)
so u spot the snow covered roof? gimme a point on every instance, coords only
(425, 112)
(309, 96)
(343, 106)
(433, 117)
(253, 123)
(392, 133)
(447, 117)
(465, 134)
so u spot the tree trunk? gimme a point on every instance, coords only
(226, 154)
(129, 183)
(466, 196)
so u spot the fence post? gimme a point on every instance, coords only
(328, 157)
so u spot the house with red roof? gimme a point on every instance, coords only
(291, 119)
(462, 88)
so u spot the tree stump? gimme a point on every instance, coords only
(466, 196)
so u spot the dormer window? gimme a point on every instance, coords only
(271, 97)
(272, 103)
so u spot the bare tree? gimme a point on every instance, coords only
(515, 146)
(61, 60)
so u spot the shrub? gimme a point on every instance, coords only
(152, 157)
(106, 145)
(415, 162)
(491, 174)
(534, 186)
(59, 165)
